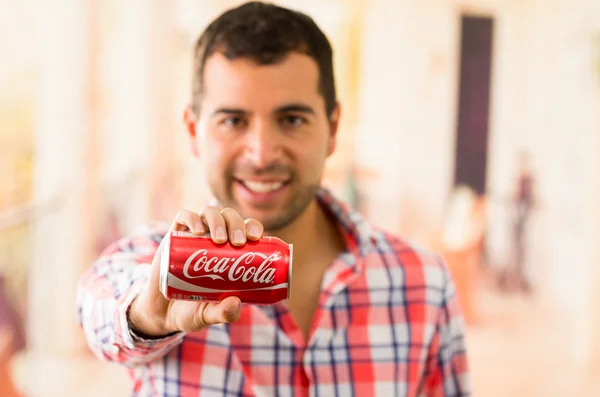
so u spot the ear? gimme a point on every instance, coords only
(334, 122)
(189, 119)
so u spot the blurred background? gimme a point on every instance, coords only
(471, 127)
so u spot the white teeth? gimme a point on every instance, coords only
(259, 187)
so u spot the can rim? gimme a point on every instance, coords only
(165, 251)
(290, 271)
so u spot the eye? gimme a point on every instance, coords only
(293, 121)
(233, 122)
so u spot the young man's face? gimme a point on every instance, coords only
(263, 135)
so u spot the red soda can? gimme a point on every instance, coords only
(196, 268)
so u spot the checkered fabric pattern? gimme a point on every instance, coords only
(387, 324)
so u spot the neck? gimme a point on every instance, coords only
(311, 233)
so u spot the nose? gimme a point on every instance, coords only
(263, 145)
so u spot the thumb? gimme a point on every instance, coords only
(226, 311)
(153, 283)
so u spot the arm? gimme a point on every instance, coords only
(105, 293)
(447, 373)
(121, 292)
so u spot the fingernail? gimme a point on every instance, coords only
(220, 234)
(254, 231)
(237, 308)
(238, 236)
(198, 227)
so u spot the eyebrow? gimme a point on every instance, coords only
(295, 107)
(230, 111)
(292, 107)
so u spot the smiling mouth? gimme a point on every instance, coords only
(262, 187)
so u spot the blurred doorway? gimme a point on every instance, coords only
(473, 102)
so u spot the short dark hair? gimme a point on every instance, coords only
(265, 33)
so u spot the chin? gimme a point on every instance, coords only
(285, 216)
(275, 209)
(264, 216)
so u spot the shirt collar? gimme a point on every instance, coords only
(357, 232)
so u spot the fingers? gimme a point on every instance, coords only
(188, 220)
(212, 218)
(236, 227)
(226, 311)
(223, 225)
(254, 229)
(194, 316)
(239, 229)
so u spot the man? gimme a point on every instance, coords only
(524, 202)
(368, 315)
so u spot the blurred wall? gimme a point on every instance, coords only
(545, 94)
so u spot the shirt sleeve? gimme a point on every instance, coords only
(105, 292)
(447, 373)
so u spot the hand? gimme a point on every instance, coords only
(152, 315)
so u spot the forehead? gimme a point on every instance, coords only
(242, 82)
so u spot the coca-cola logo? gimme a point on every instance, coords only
(200, 265)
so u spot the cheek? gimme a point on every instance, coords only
(311, 160)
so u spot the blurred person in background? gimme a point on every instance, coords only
(369, 314)
(12, 340)
(523, 203)
(462, 244)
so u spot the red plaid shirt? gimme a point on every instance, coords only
(387, 324)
